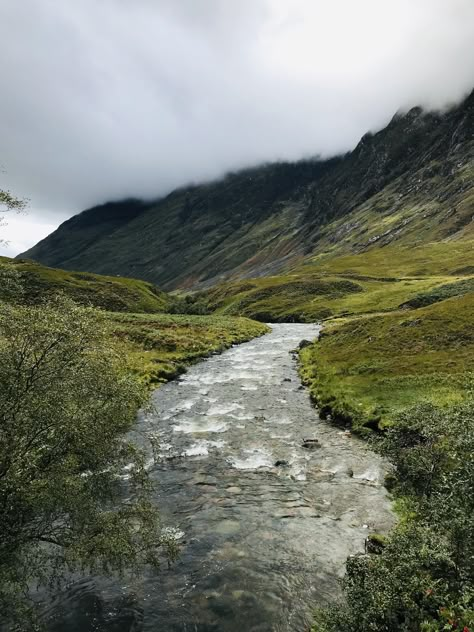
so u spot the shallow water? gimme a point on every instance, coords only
(261, 544)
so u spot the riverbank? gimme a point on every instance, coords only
(261, 543)
(161, 346)
(365, 370)
(405, 379)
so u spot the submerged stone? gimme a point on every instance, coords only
(311, 444)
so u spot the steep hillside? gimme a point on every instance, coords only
(409, 184)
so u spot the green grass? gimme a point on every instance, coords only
(365, 369)
(111, 293)
(160, 346)
(380, 280)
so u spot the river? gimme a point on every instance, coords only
(261, 544)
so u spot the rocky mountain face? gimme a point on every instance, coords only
(411, 182)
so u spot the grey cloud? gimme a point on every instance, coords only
(102, 99)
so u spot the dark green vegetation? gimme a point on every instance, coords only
(67, 398)
(407, 185)
(422, 580)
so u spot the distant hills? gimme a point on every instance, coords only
(410, 184)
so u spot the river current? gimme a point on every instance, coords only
(261, 544)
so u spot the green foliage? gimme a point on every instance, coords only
(423, 580)
(67, 398)
(410, 587)
(11, 287)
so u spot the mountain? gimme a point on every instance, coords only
(408, 184)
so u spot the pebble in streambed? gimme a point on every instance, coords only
(264, 543)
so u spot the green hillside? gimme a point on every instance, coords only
(159, 344)
(117, 294)
(330, 287)
(364, 370)
(405, 186)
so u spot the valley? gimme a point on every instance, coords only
(369, 257)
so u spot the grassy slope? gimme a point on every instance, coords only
(161, 345)
(111, 293)
(380, 279)
(365, 369)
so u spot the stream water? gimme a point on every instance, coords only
(261, 544)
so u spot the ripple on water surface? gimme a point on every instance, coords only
(263, 543)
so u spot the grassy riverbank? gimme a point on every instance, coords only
(364, 370)
(160, 346)
(408, 373)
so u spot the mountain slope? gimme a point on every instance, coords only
(410, 183)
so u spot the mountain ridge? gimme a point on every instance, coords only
(410, 182)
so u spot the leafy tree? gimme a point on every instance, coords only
(9, 202)
(66, 401)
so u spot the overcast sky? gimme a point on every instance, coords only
(109, 98)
